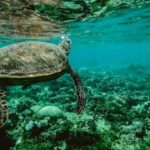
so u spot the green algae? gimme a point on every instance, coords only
(116, 116)
(37, 146)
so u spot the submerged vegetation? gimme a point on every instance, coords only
(116, 116)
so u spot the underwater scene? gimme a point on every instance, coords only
(75, 75)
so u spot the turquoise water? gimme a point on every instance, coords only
(118, 39)
(111, 54)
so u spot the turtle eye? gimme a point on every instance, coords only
(68, 41)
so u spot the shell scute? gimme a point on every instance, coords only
(31, 58)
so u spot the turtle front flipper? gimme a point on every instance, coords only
(81, 98)
(3, 107)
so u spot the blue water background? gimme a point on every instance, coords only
(117, 40)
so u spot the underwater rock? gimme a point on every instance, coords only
(29, 126)
(50, 111)
(36, 108)
(135, 127)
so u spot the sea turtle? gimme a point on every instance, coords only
(30, 62)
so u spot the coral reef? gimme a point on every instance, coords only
(116, 116)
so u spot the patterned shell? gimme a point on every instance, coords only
(31, 59)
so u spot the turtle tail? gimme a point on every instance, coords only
(81, 97)
(3, 107)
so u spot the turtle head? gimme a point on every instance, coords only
(65, 45)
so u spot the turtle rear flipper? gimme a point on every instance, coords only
(3, 107)
(81, 98)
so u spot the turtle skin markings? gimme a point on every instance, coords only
(3, 107)
(31, 62)
(80, 91)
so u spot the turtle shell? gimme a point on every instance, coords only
(31, 59)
